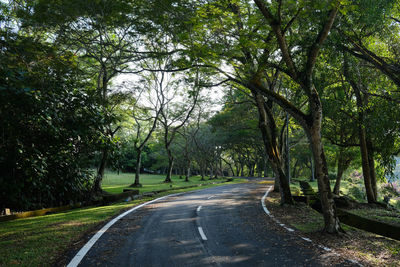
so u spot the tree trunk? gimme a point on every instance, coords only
(266, 166)
(371, 164)
(187, 171)
(365, 157)
(364, 149)
(343, 163)
(312, 168)
(138, 166)
(276, 184)
(170, 166)
(202, 171)
(331, 220)
(339, 174)
(100, 172)
(268, 129)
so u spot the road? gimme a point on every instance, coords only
(220, 226)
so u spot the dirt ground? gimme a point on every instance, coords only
(366, 248)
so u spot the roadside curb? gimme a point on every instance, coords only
(292, 230)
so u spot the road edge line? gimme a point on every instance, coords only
(85, 249)
(292, 230)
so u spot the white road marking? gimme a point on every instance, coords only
(324, 248)
(306, 239)
(203, 236)
(210, 197)
(263, 201)
(198, 208)
(289, 229)
(82, 252)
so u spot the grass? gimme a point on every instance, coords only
(386, 216)
(114, 183)
(40, 241)
(295, 187)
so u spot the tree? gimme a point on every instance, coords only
(145, 110)
(105, 35)
(49, 123)
(174, 115)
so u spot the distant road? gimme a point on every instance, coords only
(220, 226)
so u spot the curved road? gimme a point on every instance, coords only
(220, 226)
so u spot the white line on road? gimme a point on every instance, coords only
(82, 252)
(203, 236)
(210, 197)
(198, 208)
(292, 230)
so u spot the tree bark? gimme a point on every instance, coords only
(100, 172)
(343, 163)
(187, 171)
(371, 164)
(170, 166)
(331, 220)
(365, 159)
(340, 169)
(268, 129)
(138, 166)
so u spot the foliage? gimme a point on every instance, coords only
(49, 121)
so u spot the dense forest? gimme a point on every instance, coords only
(285, 89)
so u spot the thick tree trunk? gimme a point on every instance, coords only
(331, 220)
(276, 184)
(267, 127)
(312, 169)
(100, 171)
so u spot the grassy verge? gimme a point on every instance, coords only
(367, 248)
(39, 241)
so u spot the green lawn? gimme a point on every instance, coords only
(39, 241)
(114, 183)
(295, 186)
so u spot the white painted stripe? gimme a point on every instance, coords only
(289, 229)
(203, 236)
(324, 248)
(210, 197)
(306, 239)
(263, 201)
(292, 230)
(82, 252)
(198, 208)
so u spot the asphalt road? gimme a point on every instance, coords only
(220, 226)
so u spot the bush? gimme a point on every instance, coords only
(49, 126)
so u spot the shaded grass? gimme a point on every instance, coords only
(295, 187)
(115, 183)
(40, 241)
(386, 216)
